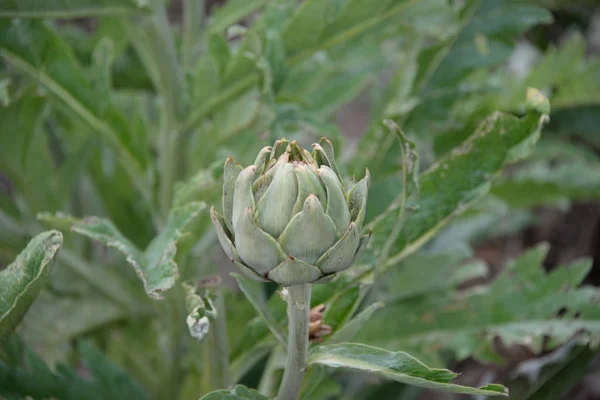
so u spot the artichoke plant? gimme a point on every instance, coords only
(289, 218)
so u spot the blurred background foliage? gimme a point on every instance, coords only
(99, 116)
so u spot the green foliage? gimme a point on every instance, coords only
(115, 125)
(68, 8)
(521, 306)
(23, 279)
(237, 393)
(33, 378)
(398, 366)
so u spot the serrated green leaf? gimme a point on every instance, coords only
(519, 307)
(465, 174)
(239, 392)
(428, 272)
(155, 267)
(22, 280)
(35, 379)
(397, 366)
(69, 8)
(546, 183)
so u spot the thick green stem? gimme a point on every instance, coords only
(298, 320)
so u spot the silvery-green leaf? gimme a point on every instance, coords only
(357, 199)
(219, 224)
(237, 393)
(262, 158)
(310, 232)
(293, 271)
(274, 209)
(340, 256)
(159, 269)
(397, 366)
(248, 273)
(324, 155)
(155, 267)
(22, 280)
(242, 195)
(231, 170)
(279, 148)
(256, 248)
(308, 183)
(337, 208)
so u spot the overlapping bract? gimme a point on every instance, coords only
(288, 218)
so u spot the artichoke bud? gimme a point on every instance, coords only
(289, 218)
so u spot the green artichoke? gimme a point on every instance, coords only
(289, 218)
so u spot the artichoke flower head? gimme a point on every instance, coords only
(288, 218)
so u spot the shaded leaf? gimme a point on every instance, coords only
(254, 293)
(551, 376)
(231, 12)
(349, 330)
(521, 306)
(54, 321)
(69, 8)
(36, 49)
(36, 380)
(428, 272)
(548, 183)
(22, 280)
(239, 392)
(397, 366)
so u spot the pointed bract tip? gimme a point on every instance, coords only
(230, 160)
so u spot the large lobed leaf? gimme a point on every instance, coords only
(22, 280)
(398, 366)
(464, 176)
(155, 267)
(522, 305)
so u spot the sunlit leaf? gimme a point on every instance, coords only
(155, 267)
(22, 280)
(397, 366)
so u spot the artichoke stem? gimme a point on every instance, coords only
(298, 322)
